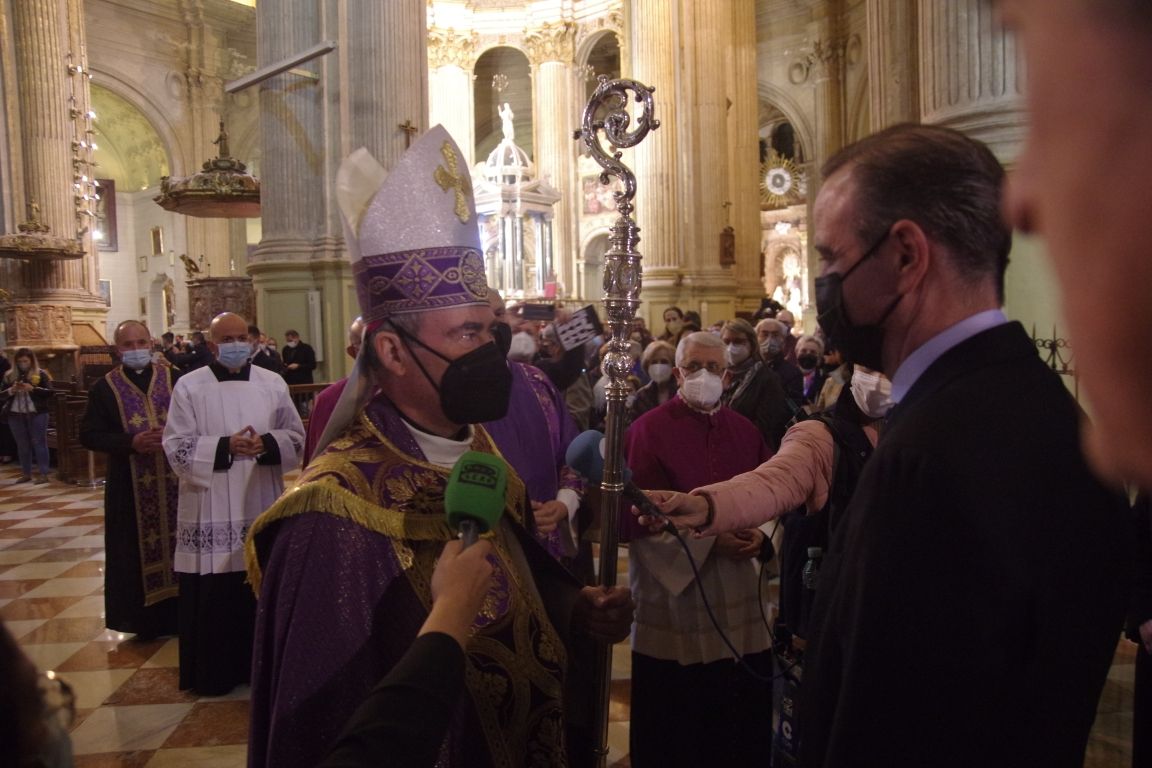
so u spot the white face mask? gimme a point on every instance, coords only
(738, 353)
(291, 343)
(702, 389)
(659, 372)
(136, 359)
(523, 347)
(872, 393)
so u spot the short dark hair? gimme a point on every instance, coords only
(167, 336)
(198, 337)
(679, 312)
(291, 332)
(946, 182)
(253, 330)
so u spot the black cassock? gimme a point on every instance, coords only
(101, 430)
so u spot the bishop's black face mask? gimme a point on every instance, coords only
(475, 387)
(861, 344)
(502, 335)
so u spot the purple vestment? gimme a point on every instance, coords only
(342, 565)
(533, 439)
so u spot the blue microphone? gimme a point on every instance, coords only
(585, 455)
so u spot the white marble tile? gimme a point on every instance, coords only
(167, 656)
(88, 607)
(66, 530)
(77, 587)
(21, 627)
(18, 556)
(42, 522)
(622, 661)
(123, 729)
(50, 655)
(18, 511)
(83, 541)
(94, 686)
(84, 505)
(229, 756)
(617, 741)
(28, 571)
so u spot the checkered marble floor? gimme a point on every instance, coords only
(130, 711)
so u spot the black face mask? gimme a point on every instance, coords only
(475, 388)
(806, 362)
(502, 335)
(860, 344)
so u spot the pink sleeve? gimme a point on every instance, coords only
(798, 475)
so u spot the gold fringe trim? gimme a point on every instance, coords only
(330, 498)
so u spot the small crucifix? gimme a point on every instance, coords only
(409, 131)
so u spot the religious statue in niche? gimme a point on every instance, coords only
(506, 125)
(169, 292)
(727, 247)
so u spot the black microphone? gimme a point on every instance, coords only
(585, 455)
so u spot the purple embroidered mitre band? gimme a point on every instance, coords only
(419, 280)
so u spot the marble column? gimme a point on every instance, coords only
(551, 53)
(826, 59)
(375, 82)
(653, 40)
(451, 58)
(49, 296)
(971, 77)
(744, 154)
(892, 62)
(710, 286)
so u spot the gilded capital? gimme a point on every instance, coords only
(553, 41)
(451, 48)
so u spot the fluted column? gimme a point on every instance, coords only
(654, 33)
(551, 52)
(743, 153)
(46, 293)
(451, 57)
(971, 78)
(373, 85)
(292, 183)
(892, 62)
(826, 59)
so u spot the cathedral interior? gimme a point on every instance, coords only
(136, 132)
(105, 100)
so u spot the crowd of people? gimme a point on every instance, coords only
(956, 567)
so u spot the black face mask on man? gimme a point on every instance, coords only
(475, 388)
(860, 344)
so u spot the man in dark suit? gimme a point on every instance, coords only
(772, 335)
(299, 359)
(197, 356)
(970, 605)
(265, 356)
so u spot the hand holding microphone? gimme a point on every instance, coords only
(474, 497)
(585, 455)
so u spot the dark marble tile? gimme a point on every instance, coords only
(212, 724)
(16, 587)
(151, 686)
(89, 520)
(110, 654)
(66, 630)
(84, 568)
(20, 533)
(137, 759)
(35, 607)
(77, 554)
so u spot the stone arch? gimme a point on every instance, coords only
(593, 246)
(155, 113)
(860, 112)
(513, 63)
(780, 100)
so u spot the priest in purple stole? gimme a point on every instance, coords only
(342, 562)
(125, 418)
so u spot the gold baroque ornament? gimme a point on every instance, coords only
(223, 189)
(33, 241)
(451, 48)
(553, 41)
(781, 182)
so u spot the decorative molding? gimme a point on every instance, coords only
(825, 56)
(39, 325)
(552, 41)
(452, 48)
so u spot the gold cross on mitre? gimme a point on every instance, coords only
(450, 178)
(409, 131)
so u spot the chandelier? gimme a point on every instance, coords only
(223, 189)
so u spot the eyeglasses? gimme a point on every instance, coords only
(713, 368)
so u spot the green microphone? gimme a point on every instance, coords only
(474, 497)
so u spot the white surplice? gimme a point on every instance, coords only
(216, 507)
